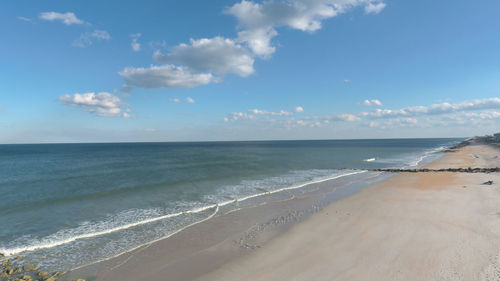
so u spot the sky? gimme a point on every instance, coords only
(197, 70)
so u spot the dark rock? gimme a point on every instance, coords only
(488, 183)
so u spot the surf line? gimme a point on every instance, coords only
(15, 251)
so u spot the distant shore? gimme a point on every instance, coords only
(411, 226)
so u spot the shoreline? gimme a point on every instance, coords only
(255, 226)
(422, 226)
(224, 257)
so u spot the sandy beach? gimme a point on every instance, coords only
(412, 226)
(425, 226)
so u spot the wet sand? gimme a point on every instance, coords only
(422, 226)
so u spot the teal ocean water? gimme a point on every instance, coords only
(67, 205)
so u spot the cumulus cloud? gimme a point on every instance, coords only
(215, 55)
(372, 103)
(87, 38)
(190, 100)
(102, 104)
(299, 109)
(66, 18)
(259, 21)
(163, 76)
(136, 46)
(208, 60)
(200, 62)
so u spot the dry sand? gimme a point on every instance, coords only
(424, 226)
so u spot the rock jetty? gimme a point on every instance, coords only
(450, 170)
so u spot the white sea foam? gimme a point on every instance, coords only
(68, 235)
(51, 242)
(369, 160)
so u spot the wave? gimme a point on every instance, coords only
(369, 160)
(55, 240)
(425, 155)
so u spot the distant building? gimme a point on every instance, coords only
(496, 137)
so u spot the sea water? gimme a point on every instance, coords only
(68, 205)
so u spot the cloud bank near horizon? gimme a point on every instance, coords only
(423, 116)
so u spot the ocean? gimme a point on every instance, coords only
(67, 205)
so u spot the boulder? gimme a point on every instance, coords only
(9, 270)
(31, 267)
(44, 275)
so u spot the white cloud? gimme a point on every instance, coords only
(259, 40)
(158, 44)
(102, 104)
(252, 114)
(436, 109)
(214, 55)
(472, 113)
(235, 116)
(347, 81)
(372, 103)
(86, 39)
(258, 21)
(207, 60)
(374, 7)
(165, 76)
(348, 117)
(136, 46)
(264, 112)
(483, 115)
(66, 18)
(25, 19)
(187, 100)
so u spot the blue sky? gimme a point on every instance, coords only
(99, 71)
